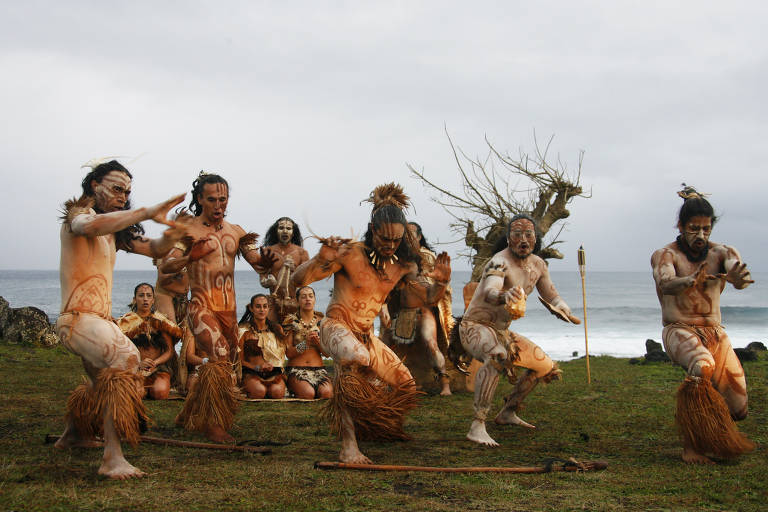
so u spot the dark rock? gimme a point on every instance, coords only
(5, 310)
(28, 325)
(656, 356)
(635, 360)
(755, 346)
(575, 353)
(652, 346)
(745, 354)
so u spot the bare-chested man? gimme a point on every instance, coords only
(210, 263)
(283, 238)
(94, 227)
(690, 275)
(364, 274)
(430, 324)
(509, 276)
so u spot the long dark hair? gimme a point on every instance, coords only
(503, 242)
(422, 239)
(125, 237)
(202, 180)
(694, 206)
(271, 237)
(248, 316)
(391, 214)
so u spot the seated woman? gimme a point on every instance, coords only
(263, 354)
(307, 377)
(154, 335)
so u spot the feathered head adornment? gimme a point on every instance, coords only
(95, 162)
(389, 193)
(689, 192)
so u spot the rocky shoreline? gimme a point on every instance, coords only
(26, 325)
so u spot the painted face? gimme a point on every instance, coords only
(214, 202)
(307, 299)
(145, 299)
(285, 231)
(522, 238)
(696, 232)
(387, 238)
(259, 308)
(113, 192)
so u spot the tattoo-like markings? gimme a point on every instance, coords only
(92, 295)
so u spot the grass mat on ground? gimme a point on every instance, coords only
(625, 418)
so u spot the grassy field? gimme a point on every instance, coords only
(624, 418)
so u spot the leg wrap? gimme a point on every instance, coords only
(486, 380)
(704, 422)
(81, 410)
(377, 409)
(119, 393)
(213, 401)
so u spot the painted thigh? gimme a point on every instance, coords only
(685, 349)
(99, 342)
(531, 356)
(387, 365)
(480, 341)
(208, 333)
(729, 378)
(338, 342)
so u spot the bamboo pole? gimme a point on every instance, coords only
(569, 466)
(583, 270)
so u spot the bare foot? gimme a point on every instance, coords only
(478, 434)
(218, 435)
(71, 439)
(692, 457)
(445, 382)
(353, 456)
(510, 417)
(119, 469)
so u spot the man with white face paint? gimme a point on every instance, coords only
(283, 238)
(690, 275)
(94, 228)
(509, 276)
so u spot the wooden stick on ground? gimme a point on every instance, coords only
(571, 465)
(50, 438)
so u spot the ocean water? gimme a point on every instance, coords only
(622, 309)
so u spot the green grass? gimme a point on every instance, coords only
(625, 418)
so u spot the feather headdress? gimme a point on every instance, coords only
(689, 192)
(389, 193)
(95, 162)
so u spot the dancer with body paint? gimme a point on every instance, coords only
(690, 275)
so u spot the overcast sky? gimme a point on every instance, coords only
(306, 106)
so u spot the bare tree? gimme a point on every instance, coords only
(498, 186)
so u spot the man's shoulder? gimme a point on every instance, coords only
(670, 248)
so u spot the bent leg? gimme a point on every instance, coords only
(428, 333)
(539, 367)
(481, 342)
(729, 379)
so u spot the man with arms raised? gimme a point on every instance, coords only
(690, 275)
(94, 228)
(509, 276)
(372, 389)
(283, 238)
(210, 263)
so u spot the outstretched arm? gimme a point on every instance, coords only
(552, 299)
(736, 270)
(323, 264)
(665, 274)
(99, 224)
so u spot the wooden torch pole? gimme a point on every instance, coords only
(583, 271)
